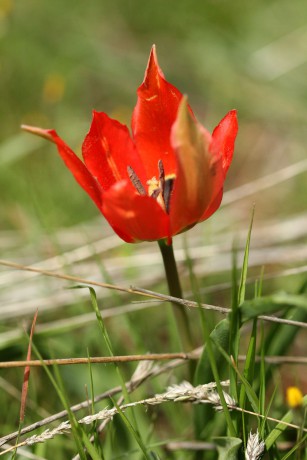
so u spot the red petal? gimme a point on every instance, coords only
(107, 151)
(194, 177)
(221, 147)
(153, 117)
(214, 206)
(133, 217)
(73, 163)
(223, 139)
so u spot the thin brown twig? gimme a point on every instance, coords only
(266, 417)
(191, 304)
(278, 359)
(98, 360)
(146, 357)
(63, 276)
(144, 292)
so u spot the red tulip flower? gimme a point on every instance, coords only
(162, 179)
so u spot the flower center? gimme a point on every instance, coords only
(160, 189)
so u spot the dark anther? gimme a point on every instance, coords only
(161, 175)
(136, 181)
(166, 186)
(167, 191)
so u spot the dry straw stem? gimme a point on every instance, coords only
(142, 292)
(184, 392)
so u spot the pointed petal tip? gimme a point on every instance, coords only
(233, 116)
(153, 54)
(45, 133)
(153, 71)
(183, 116)
(183, 104)
(228, 123)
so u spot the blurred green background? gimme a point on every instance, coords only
(59, 60)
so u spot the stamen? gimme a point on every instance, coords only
(167, 191)
(161, 175)
(136, 181)
(166, 186)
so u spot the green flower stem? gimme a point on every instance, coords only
(175, 290)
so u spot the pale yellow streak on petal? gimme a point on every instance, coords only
(110, 159)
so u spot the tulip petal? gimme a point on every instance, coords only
(73, 163)
(133, 217)
(194, 176)
(108, 150)
(213, 206)
(223, 139)
(221, 148)
(153, 117)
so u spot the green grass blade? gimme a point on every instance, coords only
(58, 386)
(238, 296)
(248, 373)
(278, 430)
(80, 436)
(204, 374)
(100, 321)
(262, 380)
(281, 427)
(241, 293)
(209, 363)
(135, 432)
(234, 328)
(297, 446)
(94, 424)
(210, 356)
(249, 390)
(131, 429)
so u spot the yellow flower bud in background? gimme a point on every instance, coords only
(294, 397)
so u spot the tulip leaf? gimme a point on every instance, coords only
(228, 447)
(270, 304)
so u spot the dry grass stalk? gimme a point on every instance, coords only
(255, 447)
(183, 392)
